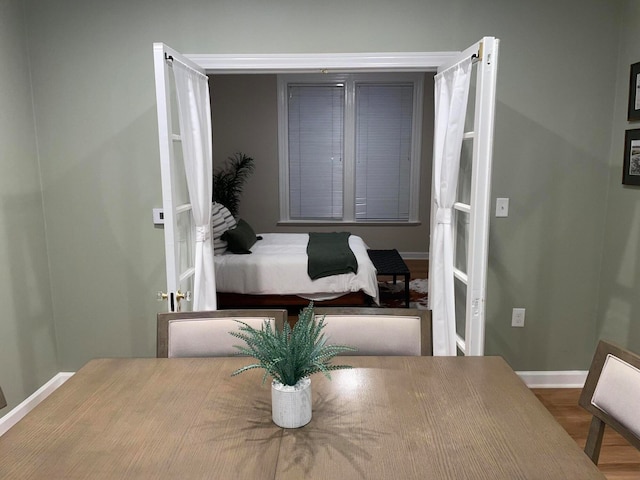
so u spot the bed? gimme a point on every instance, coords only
(275, 274)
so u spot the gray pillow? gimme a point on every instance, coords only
(240, 239)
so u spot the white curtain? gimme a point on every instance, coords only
(451, 94)
(192, 91)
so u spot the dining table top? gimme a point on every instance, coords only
(385, 418)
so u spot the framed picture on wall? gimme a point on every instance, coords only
(633, 112)
(631, 168)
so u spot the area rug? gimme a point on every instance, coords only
(392, 296)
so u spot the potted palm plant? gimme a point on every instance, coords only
(290, 357)
(229, 180)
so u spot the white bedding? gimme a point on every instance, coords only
(277, 265)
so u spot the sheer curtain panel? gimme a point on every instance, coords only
(192, 91)
(451, 94)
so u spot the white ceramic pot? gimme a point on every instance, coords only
(291, 405)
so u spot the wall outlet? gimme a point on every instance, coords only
(517, 317)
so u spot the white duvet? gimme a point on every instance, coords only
(277, 265)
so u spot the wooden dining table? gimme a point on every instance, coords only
(386, 418)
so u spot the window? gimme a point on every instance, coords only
(349, 147)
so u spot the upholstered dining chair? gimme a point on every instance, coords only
(611, 394)
(379, 331)
(3, 401)
(206, 334)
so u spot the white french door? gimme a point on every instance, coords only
(463, 316)
(179, 230)
(469, 235)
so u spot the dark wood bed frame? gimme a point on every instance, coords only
(292, 303)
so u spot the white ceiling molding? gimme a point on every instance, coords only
(322, 62)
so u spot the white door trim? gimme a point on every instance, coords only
(322, 62)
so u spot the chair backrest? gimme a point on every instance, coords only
(206, 334)
(611, 394)
(379, 331)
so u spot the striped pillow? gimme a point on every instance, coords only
(231, 222)
(218, 227)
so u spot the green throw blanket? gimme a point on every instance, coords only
(330, 254)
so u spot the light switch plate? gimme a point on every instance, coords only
(158, 216)
(502, 207)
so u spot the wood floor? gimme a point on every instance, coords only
(418, 268)
(618, 459)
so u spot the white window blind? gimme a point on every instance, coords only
(349, 147)
(316, 138)
(384, 115)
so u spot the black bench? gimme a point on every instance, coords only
(389, 262)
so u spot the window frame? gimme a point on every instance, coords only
(349, 178)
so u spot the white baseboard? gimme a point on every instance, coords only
(558, 379)
(17, 413)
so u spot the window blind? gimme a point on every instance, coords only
(384, 115)
(316, 138)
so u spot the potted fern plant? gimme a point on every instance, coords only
(290, 357)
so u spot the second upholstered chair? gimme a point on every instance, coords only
(379, 331)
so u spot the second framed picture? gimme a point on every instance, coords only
(631, 165)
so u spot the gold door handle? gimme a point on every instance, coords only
(183, 296)
(174, 299)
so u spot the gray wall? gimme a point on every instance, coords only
(245, 119)
(27, 343)
(92, 77)
(619, 294)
